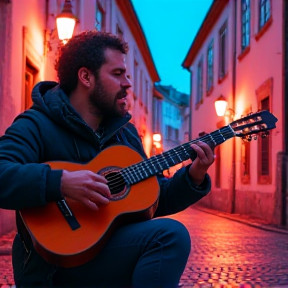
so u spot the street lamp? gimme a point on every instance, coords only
(157, 146)
(65, 22)
(221, 107)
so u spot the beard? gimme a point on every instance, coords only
(106, 103)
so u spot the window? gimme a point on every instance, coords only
(135, 77)
(99, 17)
(172, 133)
(147, 94)
(119, 32)
(141, 96)
(264, 95)
(245, 162)
(245, 28)
(264, 146)
(265, 12)
(223, 51)
(210, 57)
(199, 82)
(156, 114)
(30, 74)
(245, 158)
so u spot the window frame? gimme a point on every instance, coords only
(263, 92)
(245, 23)
(263, 4)
(223, 52)
(99, 8)
(199, 87)
(210, 68)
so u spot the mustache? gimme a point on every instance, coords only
(121, 94)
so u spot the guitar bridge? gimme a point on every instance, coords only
(68, 215)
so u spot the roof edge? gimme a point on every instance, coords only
(129, 13)
(212, 15)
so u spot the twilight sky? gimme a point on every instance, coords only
(170, 27)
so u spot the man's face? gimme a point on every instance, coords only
(109, 96)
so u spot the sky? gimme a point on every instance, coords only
(170, 27)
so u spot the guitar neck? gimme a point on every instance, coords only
(158, 163)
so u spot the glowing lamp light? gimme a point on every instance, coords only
(65, 22)
(220, 106)
(157, 145)
(156, 137)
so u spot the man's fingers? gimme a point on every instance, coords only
(97, 198)
(203, 150)
(91, 205)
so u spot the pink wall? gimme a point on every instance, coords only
(262, 62)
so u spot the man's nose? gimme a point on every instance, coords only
(126, 82)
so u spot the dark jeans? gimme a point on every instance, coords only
(146, 254)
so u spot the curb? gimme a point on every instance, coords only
(240, 219)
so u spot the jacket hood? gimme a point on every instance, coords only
(51, 100)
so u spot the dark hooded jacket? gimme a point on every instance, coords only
(51, 130)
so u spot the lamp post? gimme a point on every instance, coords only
(65, 22)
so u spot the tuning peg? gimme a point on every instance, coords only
(255, 137)
(264, 134)
(249, 138)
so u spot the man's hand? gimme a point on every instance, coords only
(86, 187)
(204, 159)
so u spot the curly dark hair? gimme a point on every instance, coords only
(85, 50)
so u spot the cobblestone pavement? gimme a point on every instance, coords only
(225, 253)
(230, 254)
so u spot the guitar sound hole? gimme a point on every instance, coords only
(116, 183)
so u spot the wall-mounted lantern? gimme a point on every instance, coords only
(65, 22)
(221, 107)
(157, 145)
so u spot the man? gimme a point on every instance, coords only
(73, 121)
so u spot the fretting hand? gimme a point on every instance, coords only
(204, 159)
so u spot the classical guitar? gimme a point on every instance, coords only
(68, 234)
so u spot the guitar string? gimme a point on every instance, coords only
(119, 176)
(177, 151)
(119, 179)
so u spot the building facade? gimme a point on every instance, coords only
(171, 118)
(239, 54)
(29, 47)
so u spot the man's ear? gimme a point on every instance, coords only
(84, 76)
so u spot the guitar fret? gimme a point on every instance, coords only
(148, 167)
(185, 151)
(215, 143)
(165, 161)
(171, 157)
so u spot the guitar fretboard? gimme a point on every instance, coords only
(158, 163)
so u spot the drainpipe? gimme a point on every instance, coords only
(190, 105)
(233, 184)
(285, 127)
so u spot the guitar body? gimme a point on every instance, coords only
(53, 237)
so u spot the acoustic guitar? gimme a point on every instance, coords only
(67, 233)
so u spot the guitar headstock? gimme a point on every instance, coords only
(252, 124)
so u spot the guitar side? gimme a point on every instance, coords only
(58, 243)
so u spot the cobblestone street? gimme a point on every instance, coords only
(225, 253)
(232, 253)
